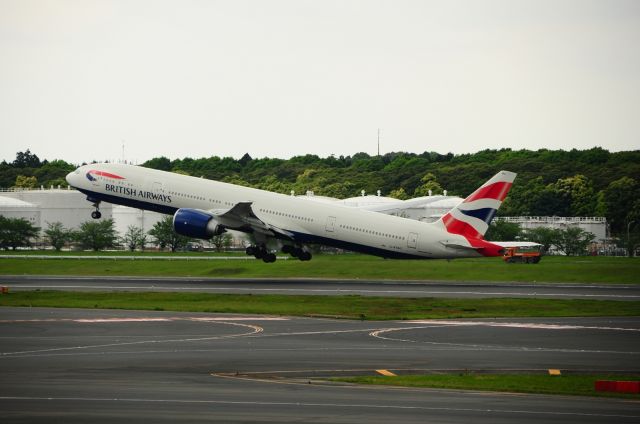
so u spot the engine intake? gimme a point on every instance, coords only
(196, 223)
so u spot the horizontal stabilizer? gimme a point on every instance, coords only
(459, 246)
(516, 243)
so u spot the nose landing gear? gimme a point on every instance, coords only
(96, 214)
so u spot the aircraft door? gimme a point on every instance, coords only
(331, 224)
(412, 240)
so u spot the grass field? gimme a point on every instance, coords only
(347, 307)
(519, 383)
(348, 266)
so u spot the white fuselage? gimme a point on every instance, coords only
(309, 222)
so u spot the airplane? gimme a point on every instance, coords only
(204, 208)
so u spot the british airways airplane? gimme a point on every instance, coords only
(204, 208)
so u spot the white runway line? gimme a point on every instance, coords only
(150, 319)
(536, 326)
(316, 405)
(255, 329)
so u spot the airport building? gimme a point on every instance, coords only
(597, 225)
(41, 206)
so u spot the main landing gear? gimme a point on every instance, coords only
(261, 252)
(297, 252)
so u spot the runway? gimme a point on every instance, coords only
(73, 365)
(326, 287)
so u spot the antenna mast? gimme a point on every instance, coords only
(378, 141)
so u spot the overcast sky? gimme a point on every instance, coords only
(283, 78)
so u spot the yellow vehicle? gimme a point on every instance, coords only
(523, 254)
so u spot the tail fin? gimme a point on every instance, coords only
(472, 217)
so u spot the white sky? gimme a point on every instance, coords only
(283, 78)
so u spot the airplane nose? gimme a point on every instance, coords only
(71, 177)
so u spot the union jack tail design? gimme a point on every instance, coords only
(472, 217)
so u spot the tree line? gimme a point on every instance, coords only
(18, 233)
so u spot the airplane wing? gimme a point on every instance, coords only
(242, 217)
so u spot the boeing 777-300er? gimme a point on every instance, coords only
(204, 208)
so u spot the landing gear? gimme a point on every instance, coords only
(96, 214)
(261, 252)
(297, 252)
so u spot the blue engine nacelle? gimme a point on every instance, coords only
(196, 223)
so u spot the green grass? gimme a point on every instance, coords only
(521, 383)
(351, 266)
(349, 307)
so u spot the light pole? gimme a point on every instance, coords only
(629, 239)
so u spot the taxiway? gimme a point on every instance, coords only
(76, 365)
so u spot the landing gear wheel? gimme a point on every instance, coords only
(304, 256)
(250, 250)
(269, 258)
(96, 204)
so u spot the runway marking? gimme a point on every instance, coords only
(377, 334)
(150, 319)
(386, 373)
(118, 320)
(205, 319)
(255, 329)
(521, 325)
(342, 291)
(316, 405)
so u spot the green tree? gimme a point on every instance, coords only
(162, 163)
(221, 241)
(617, 200)
(428, 183)
(26, 160)
(57, 235)
(134, 238)
(632, 236)
(551, 202)
(501, 230)
(165, 236)
(97, 235)
(16, 232)
(53, 173)
(399, 194)
(546, 236)
(574, 241)
(578, 190)
(26, 182)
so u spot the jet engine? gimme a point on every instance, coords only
(196, 223)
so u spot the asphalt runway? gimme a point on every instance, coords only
(326, 287)
(104, 366)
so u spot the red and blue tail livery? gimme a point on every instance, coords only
(472, 217)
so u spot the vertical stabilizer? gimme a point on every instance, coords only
(472, 217)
